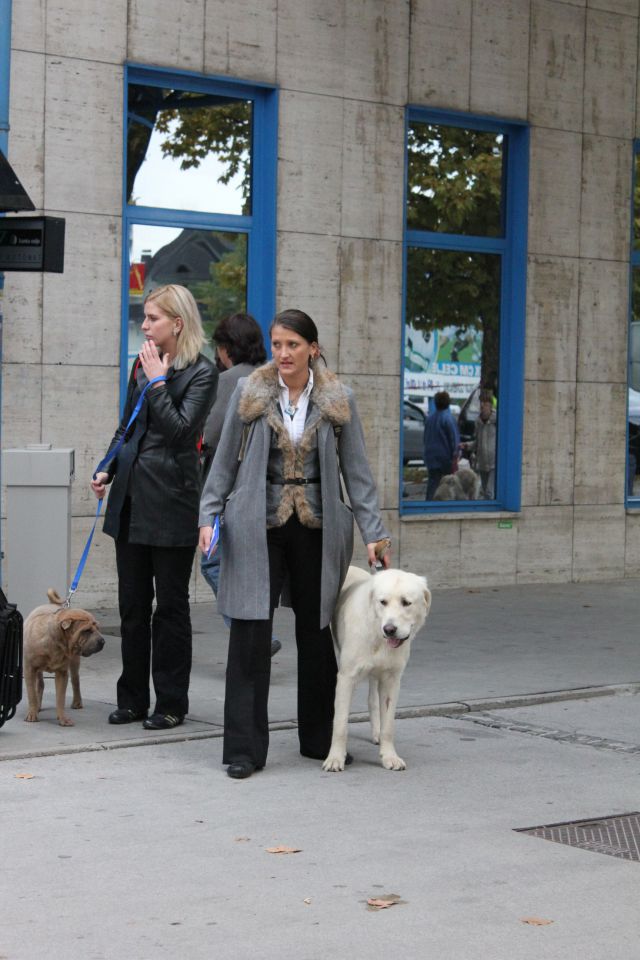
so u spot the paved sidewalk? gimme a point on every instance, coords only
(479, 648)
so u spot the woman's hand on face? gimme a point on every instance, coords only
(205, 539)
(99, 485)
(373, 559)
(152, 363)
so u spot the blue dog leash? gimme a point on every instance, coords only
(103, 463)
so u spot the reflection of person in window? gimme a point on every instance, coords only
(152, 511)
(483, 446)
(441, 442)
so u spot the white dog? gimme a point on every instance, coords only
(375, 620)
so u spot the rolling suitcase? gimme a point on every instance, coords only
(10, 658)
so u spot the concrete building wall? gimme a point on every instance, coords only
(346, 70)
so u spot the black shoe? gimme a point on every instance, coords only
(241, 769)
(162, 721)
(124, 715)
(276, 646)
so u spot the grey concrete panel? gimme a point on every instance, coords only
(500, 57)
(598, 543)
(376, 50)
(552, 318)
(308, 279)
(83, 146)
(90, 29)
(554, 193)
(82, 323)
(610, 74)
(432, 547)
(309, 163)
(556, 71)
(373, 167)
(240, 39)
(167, 34)
(629, 7)
(22, 309)
(605, 208)
(603, 321)
(370, 307)
(311, 46)
(487, 551)
(440, 53)
(548, 452)
(21, 404)
(601, 415)
(632, 544)
(26, 120)
(380, 415)
(545, 544)
(80, 409)
(28, 18)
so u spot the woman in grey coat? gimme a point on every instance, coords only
(286, 532)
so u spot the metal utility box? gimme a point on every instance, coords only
(38, 539)
(32, 243)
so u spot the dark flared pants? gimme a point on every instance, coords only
(156, 641)
(295, 551)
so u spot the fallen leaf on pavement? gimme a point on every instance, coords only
(284, 850)
(24, 776)
(536, 921)
(384, 902)
(307, 900)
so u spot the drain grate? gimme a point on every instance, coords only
(616, 836)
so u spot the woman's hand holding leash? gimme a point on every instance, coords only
(99, 485)
(378, 554)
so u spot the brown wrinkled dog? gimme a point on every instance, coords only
(55, 638)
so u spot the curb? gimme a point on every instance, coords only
(403, 713)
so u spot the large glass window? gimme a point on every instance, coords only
(200, 196)
(465, 252)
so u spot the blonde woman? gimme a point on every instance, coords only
(152, 512)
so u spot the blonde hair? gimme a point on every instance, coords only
(176, 301)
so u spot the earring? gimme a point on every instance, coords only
(175, 331)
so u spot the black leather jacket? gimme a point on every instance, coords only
(159, 464)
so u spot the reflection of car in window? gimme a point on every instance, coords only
(412, 433)
(633, 464)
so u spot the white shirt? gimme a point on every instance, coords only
(295, 423)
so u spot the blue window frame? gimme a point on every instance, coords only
(632, 486)
(194, 214)
(468, 225)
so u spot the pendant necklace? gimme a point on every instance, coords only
(290, 410)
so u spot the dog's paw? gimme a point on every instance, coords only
(32, 716)
(77, 704)
(391, 761)
(65, 721)
(334, 763)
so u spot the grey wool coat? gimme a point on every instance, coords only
(236, 489)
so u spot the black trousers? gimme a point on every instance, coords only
(295, 550)
(158, 640)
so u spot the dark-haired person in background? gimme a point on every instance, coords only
(441, 442)
(290, 427)
(240, 349)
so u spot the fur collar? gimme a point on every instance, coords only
(261, 393)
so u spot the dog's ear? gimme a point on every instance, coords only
(65, 624)
(427, 594)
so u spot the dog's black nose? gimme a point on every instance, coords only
(389, 630)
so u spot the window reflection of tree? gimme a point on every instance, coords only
(196, 125)
(455, 185)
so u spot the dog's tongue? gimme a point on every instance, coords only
(394, 641)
